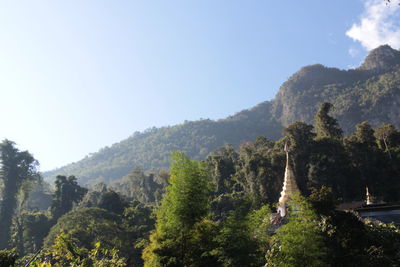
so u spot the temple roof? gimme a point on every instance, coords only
(381, 212)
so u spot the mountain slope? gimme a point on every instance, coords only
(371, 92)
(151, 149)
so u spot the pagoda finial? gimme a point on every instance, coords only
(369, 197)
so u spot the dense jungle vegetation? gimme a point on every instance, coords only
(369, 93)
(213, 212)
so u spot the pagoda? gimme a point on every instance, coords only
(288, 190)
(369, 197)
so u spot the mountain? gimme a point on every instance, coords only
(152, 148)
(368, 93)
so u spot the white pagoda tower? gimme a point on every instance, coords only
(289, 186)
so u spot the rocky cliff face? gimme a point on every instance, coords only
(370, 92)
(381, 59)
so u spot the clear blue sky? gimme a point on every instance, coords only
(76, 76)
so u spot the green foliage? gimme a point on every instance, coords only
(186, 200)
(368, 162)
(223, 204)
(112, 202)
(300, 138)
(141, 216)
(383, 246)
(325, 125)
(151, 149)
(329, 166)
(387, 136)
(17, 167)
(242, 237)
(67, 193)
(345, 237)
(350, 240)
(323, 200)
(365, 134)
(88, 226)
(259, 224)
(257, 169)
(300, 241)
(236, 247)
(222, 163)
(184, 204)
(29, 230)
(40, 197)
(66, 252)
(300, 135)
(142, 186)
(8, 258)
(138, 221)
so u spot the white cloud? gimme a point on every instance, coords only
(378, 25)
(353, 52)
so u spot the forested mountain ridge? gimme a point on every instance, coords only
(368, 93)
(152, 148)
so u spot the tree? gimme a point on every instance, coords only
(256, 173)
(236, 247)
(112, 202)
(67, 193)
(325, 125)
(323, 200)
(373, 167)
(300, 137)
(142, 186)
(90, 225)
(388, 137)
(184, 204)
(243, 237)
(66, 252)
(17, 167)
(8, 258)
(29, 230)
(299, 242)
(329, 166)
(365, 134)
(222, 164)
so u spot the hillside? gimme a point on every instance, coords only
(152, 148)
(370, 92)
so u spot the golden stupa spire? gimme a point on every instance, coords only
(369, 197)
(289, 183)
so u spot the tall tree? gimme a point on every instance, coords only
(256, 173)
(300, 137)
(222, 163)
(67, 193)
(388, 137)
(142, 186)
(365, 134)
(184, 204)
(325, 125)
(329, 165)
(16, 168)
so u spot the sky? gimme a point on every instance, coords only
(76, 76)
